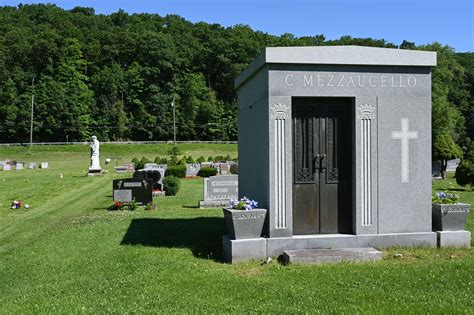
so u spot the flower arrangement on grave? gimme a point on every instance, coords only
(445, 197)
(16, 204)
(243, 204)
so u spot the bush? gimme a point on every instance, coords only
(135, 162)
(139, 164)
(219, 158)
(210, 159)
(182, 161)
(207, 171)
(190, 160)
(201, 159)
(173, 161)
(234, 168)
(465, 173)
(176, 170)
(228, 158)
(174, 151)
(171, 185)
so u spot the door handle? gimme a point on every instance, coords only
(316, 163)
(322, 163)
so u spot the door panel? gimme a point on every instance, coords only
(322, 162)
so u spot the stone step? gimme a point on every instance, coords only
(321, 255)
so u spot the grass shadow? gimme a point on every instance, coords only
(190, 207)
(202, 235)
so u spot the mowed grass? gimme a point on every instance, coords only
(68, 254)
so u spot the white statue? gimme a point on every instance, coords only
(95, 163)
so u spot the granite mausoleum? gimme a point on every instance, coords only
(336, 143)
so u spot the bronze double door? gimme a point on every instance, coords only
(322, 171)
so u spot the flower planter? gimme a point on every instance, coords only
(449, 217)
(244, 224)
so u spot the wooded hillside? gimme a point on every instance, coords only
(116, 75)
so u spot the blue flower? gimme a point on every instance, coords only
(441, 195)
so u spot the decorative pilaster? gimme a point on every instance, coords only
(280, 114)
(366, 113)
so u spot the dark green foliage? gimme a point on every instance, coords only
(234, 168)
(207, 171)
(116, 76)
(176, 170)
(228, 158)
(210, 159)
(174, 151)
(444, 149)
(182, 161)
(190, 159)
(219, 158)
(136, 162)
(201, 159)
(465, 171)
(171, 185)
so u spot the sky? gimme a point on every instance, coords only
(450, 22)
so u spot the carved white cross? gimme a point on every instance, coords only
(405, 135)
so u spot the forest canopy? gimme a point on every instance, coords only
(116, 75)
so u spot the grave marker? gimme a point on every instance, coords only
(219, 190)
(125, 190)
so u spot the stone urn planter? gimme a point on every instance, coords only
(449, 217)
(244, 224)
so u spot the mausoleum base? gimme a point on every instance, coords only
(454, 239)
(241, 250)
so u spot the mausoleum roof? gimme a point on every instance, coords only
(338, 55)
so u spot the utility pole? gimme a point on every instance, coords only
(32, 109)
(174, 122)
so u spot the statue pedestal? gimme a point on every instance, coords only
(93, 171)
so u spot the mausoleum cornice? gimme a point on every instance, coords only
(338, 55)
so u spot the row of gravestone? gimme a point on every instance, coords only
(192, 169)
(218, 190)
(8, 165)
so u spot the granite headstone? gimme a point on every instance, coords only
(126, 190)
(219, 190)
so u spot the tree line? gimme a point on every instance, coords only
(116, 76)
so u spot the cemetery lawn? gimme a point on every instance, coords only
(68, 254)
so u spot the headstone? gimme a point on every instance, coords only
(32, 165)
(192, 169)
(336, 140)
(44, 165)
(206, 164)
(217, 166)
(224, 169)
(150, 166)
(121, 169)
(7, 167)
(125, 190)
(451, 165)
(20, 165)
(130, 166)
(155, 175)
(219, 190)
(435, 169)
(164, 167)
